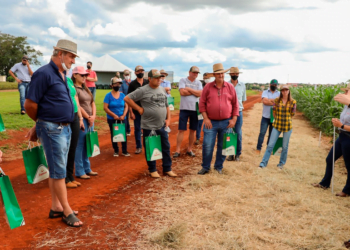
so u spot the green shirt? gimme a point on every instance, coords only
(73, 93)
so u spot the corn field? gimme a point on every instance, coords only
(318, 105)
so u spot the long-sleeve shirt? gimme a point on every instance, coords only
(283, 114)
(219, 104)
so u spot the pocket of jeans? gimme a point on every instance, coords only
(52, 128)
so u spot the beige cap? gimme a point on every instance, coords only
(194, 69)
(234, 70)
(162, 71)
(139, 67)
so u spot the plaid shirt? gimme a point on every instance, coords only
(283, 115)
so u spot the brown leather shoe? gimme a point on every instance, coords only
(318, 185)
(155, 174)
(170, 173)
(92, 173)
(342, 194)
(71, 185)
(84, 177)
(257, 152)
(76, 183)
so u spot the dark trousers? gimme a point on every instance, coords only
(342, 148)
(165, 150)
(115, 144)
(127, 124)
(137, 129)
(75, 127)
(265, 123)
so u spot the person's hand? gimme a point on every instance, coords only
(342, 98)
(27, 63)
(141, 111)
(18, 80)
(91, 120)
(132, 115)
(336, 122)
(167, 123)
(207, 123)
(82, 126)
(31, 135)
(122, 117)
(231, 124)
(115, 117)
(0, 156)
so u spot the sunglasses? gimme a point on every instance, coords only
(83, 75)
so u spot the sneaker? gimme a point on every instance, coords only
(126, 154)
(176, 155)
(203, 171)
(230, 158)
(196, 142)
(237, 158)
(23, 112)
(190, 154)
(138, 151)
(280, 165)
(116, 155)
(128, 134)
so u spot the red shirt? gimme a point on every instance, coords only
(90, 84)
(219, 104)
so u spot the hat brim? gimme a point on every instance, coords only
(66, 50)
(344, 89)
(220, 71)
(158, 76)
(139, 69)
(234, 72)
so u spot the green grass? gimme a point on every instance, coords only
(176, 94)
(252, 92)
(8, 85)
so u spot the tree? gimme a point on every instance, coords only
(12, 49)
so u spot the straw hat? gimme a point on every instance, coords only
(347, 88)
(234, 70)
(67, 46)
(284, 87)
(162, 71)
(219, 68)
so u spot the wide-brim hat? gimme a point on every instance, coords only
(80, 70)
(234, 70)
(67, 46)
(284, 87)
(162, 71)
(219, 68)
(347, 88)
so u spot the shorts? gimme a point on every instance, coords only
(184, 115)
(55, 140)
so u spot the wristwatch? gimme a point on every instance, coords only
(349, 105)
(342, 126)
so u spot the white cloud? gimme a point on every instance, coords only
(57, 32)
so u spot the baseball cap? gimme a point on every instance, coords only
(139, 67)
(194, 69)
(274, 81)
(155, 73)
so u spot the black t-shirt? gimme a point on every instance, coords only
(135, 85)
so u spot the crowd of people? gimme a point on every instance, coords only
(64, 111)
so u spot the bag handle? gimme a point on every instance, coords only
(153, 133)
(30, 146)
(2, 173)
(230, 131)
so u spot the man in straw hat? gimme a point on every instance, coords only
(190, 90)
(219, 107)
(242, 97)
(124, 89)
(164, 83)
(50, 105)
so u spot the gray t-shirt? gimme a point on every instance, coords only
(189, 102)
(154, 102)
(21, 71)
(345, 117)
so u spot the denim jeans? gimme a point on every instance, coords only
(75, 127)
(273, 139)
(217, 131)
(115, 144)
(82, 162)
(137, 129)
(93, 92)
(23, 89)
(342, 148)
(165, 150)
(265, 123)
(55, 140)
(199, 129)
(238, 130)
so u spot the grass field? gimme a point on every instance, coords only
(8, 85)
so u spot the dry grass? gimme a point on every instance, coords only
(249, 207)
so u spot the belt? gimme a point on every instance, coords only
(345, 133)
(58, 123)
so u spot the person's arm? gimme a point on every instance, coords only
(126, 107)
(0, 156)
(109, 112)
(184, 92)
(244, 97)
(196, 93)
(235, 109)
(268, 102)
(274, 108)
(31, 109)
(92, 79)
(168, 118)
(29, 69)
(133, 105)
(337, 123)
(91, 118)
(293, 109)
(343, 99)
(80, 115)
(15, 77)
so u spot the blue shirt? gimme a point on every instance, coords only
(117, 106)
(51, 92)
(241, 94)
(166, 84)
(125, 87)
(269, 95)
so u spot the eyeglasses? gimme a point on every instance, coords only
(83, 75)
(126, 75)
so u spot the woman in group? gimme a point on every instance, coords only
(342, 144)
(76, 125)
(284, 109)
(88, 110)
(116, 110)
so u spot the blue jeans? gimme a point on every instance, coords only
(137, 129)
(55, 140)
(23, 89)
(127, 123)
(115, 144)
(238, 130)
(342, 148)
(82, 162)
(218, 130)
(265, 123)
(199, 129)
(93, 92)
(273, 139)
(165, 150)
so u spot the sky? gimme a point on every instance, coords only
(289, 40)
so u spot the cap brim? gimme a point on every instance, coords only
(157, 76)
(58, 48)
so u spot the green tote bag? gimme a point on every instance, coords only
(229, 146)
(119, 134)
(171, 103)
(277, 149)
(92, 146)
(11, 206)
(200, 116)
(271, 115)
(35, 164)
(153, 147)
(2, 126)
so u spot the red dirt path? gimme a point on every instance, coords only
(106, 203)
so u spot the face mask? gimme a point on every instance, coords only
(23, 63)
(273, 88)
(116, 88)
(234, 78)
(89, 67)
(207, 80)
(63, 65)
(127, 78)
(139, 75)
